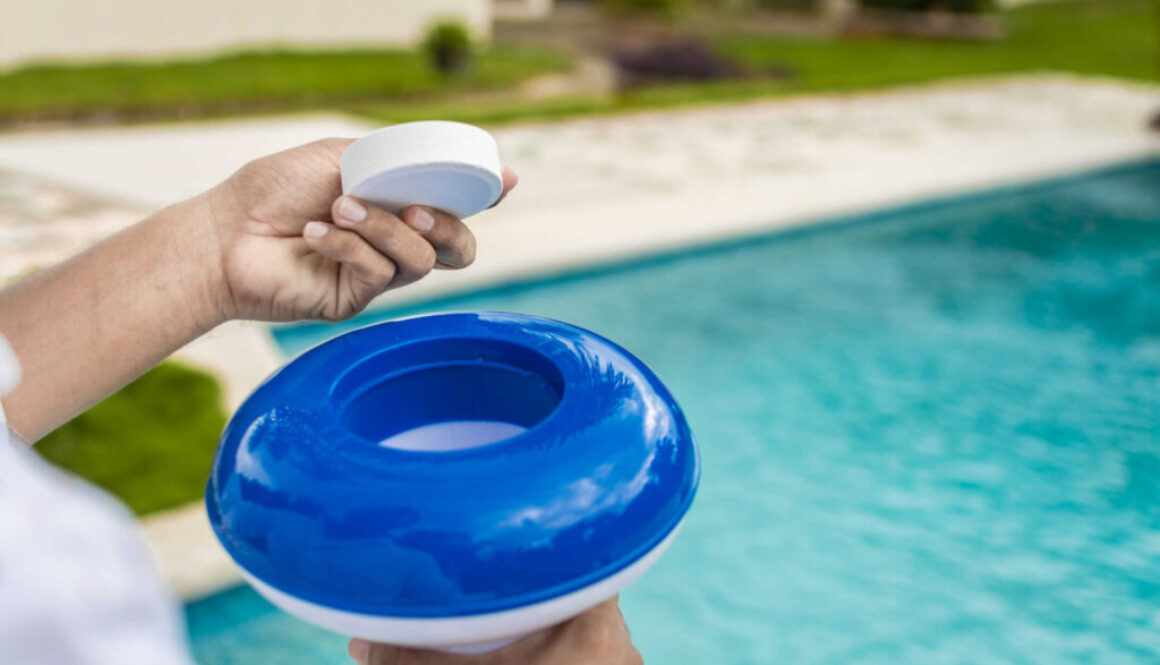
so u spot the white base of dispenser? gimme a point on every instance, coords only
(476, 633)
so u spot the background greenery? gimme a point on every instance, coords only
(670, 8)
(256, 82)
(151, 443)
(1102, 37)
(1099, 37)
(958, 6)
(1107, 37)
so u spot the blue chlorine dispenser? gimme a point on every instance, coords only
(454, 481)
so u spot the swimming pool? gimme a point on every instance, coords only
(929, 435)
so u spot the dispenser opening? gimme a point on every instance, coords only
(440, 437)
(450, 402)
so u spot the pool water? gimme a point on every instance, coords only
(930, 435)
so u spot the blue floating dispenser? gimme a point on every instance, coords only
(453, 481)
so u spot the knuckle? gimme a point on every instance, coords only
(469, 251)
(465, 249)
(415, 272)
(383, 227)
(346, 243)
(427, 259)
(385, 274)
(418, 261)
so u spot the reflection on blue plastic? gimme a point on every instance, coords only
(305, 498)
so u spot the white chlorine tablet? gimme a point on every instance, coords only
(450, 166)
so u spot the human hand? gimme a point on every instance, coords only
(250, 247)
(292, 247)
(597, 637)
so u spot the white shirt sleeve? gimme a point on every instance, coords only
(77, 586)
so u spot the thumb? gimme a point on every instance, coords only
(359, 650)
(371, 653)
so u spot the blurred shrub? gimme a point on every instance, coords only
(682, 59)
(955, 6)
(794, 5)
(448, 46)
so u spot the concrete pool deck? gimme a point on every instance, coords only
(598, 190)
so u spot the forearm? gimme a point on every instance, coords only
(85, 328)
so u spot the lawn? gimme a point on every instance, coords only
(151, 444)
(1098, 37)
(248, 82)
(1104, 37)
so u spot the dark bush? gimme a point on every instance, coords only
(955, 6)
(683, 59)
(791, 5)
(448, 45)
(667, 8)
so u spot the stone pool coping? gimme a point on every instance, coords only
(607, 189)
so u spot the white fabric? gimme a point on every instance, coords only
(77, 586)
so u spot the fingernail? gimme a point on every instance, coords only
(359, 650)
(315, 230)
(422, 220)
(351, 210)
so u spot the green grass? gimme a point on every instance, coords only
(255, 81)
(1101, 37)
(151, 443)
(1098, 37)
(1105, 37)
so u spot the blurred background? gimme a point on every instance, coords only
(776, 111)
(508, 60)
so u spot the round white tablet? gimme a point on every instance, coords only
(450, 166)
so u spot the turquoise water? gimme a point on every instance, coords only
(930, 436)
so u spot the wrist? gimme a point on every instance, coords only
(195, 253)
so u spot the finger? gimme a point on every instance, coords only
(382, 654)
(413, 255)
(366, 272)
(531, 649)
(385, 654)
(510, 180)
(359, 650)
(454, 243)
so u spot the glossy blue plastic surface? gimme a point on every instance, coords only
(304, 498)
